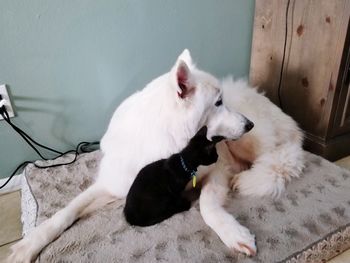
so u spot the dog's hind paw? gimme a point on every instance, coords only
(258, 184)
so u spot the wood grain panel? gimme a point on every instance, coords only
(313, 52)
(297, 58)
(267, 46)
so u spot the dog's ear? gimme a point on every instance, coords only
(181, 73)
(183, 79)
(202, 131)
(185, 56)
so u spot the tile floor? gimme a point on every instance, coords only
(11, 228)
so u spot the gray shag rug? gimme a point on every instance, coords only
(308, 223)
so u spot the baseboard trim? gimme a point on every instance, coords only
(331, 149)
(14, 185)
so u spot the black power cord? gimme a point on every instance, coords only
(82, 147)
(283, 58)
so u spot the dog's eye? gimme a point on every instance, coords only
(218, 103)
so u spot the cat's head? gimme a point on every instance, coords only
(201, 149)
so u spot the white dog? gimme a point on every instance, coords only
(272, 151)
(159, 121)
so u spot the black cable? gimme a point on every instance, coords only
(82, 147)
(76, 152)
(283, 58)
(23, 135)
(14, 173)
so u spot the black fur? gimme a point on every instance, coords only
(157, 192)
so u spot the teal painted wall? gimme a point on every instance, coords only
(69, 63)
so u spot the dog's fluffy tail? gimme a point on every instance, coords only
(271, 171)
(30, 246)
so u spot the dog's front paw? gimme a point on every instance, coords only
(240, 239)
(22, 252)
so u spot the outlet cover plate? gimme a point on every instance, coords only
(8, 105)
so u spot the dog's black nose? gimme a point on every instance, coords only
(248, 125)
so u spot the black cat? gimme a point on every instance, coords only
(157, 192)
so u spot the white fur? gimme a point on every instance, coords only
(155, 123)
(279, 155)
(279, 158)
(212, 199)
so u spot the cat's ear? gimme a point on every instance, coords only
(202, 131)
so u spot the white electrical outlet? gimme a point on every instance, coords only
(8, 105)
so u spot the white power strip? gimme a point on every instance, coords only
(6, 101)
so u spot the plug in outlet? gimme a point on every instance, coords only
(8, 105)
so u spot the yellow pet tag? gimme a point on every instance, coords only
(194, 180)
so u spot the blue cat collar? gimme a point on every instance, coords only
(191, 172)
